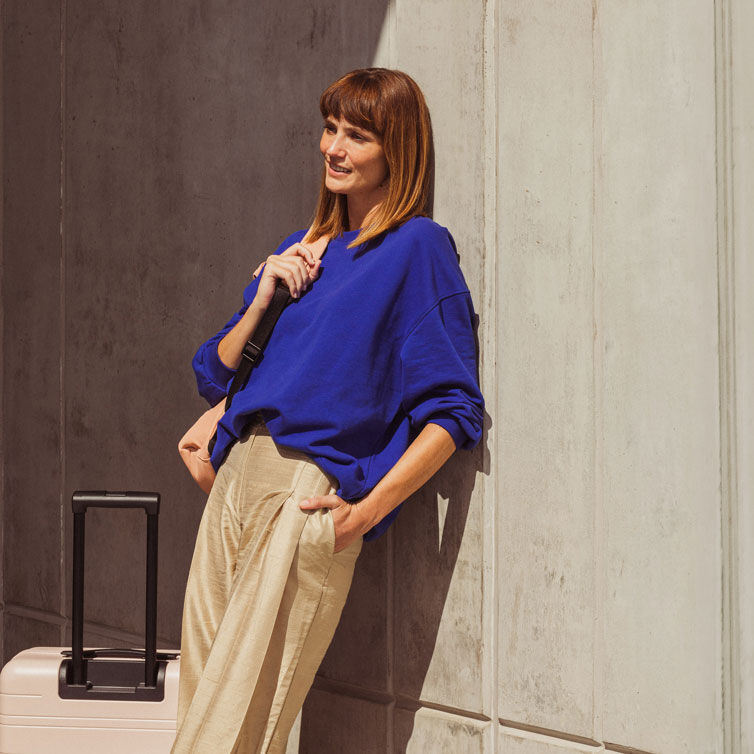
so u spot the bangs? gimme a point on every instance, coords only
(357, 99)
(390, 105)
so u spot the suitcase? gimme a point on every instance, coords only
(120, 701)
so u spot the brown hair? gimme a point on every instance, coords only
(391, 105)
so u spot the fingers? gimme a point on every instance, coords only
(320, 501)
(294, 275)
(305, 252)
(301, 250)
(301, 267)
(293, 270)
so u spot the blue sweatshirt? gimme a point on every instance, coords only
(381, 344)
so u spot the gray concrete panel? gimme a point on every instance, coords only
(438, 591)
(513, 741)
(430, 730)
(191, 136)
(439, 627)
(545, 455)
(31, 308)
(22, 632)
(736, 142)
(360, 653)
(656, 228)
(340, 723)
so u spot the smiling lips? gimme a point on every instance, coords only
(337, 168)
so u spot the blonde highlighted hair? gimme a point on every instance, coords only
(389, 104)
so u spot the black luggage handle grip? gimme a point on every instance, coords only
(81, 502)
(111, 652)
(149, 501)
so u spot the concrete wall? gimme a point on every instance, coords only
(736, 235)
(153, 154)
(582, 580)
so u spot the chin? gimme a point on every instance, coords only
(334, 187)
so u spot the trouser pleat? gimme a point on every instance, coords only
(264, 597)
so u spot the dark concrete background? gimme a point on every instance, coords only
(153, 155)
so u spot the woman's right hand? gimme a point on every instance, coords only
(297, 267)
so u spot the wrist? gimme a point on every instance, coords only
(369, 512)
(256, 307)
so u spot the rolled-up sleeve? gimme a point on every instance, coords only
(438, 363)
(212, 376)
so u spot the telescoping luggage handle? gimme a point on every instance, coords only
(81, 502)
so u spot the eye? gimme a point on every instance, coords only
(330, 127)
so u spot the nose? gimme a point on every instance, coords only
(336, 145)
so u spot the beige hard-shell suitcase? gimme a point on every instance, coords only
(119, 701)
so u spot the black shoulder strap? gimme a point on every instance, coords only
(256, 343)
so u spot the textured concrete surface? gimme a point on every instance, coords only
(512, 741)
(360, 653)
(21, 632)
(439, 554)
(325, 724)
(438, 732)
(31, 306)
(189, 150)
(545, 455)
(438, 625)
(656, 227)
(192, 140)
(738, 353)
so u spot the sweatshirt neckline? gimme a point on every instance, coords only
(347, 236)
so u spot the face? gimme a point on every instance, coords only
(355, 160)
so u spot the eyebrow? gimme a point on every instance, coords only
(365, 132)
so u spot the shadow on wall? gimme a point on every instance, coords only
(389, 628)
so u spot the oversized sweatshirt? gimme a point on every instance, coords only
(381, 344)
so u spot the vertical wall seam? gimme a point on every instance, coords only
(61, 323)
(730, 701)
(598, 350)
(2, 333)
(490, 357)
(390, 641)
(392, 14)
(390, 26)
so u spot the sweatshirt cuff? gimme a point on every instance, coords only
(220, 374)
(460, 438)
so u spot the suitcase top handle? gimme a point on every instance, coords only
(149, 501)
(81, 502)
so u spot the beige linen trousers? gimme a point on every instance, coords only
(264, 596)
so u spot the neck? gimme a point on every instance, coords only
(361, 207)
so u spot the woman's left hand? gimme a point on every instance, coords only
(346, 517)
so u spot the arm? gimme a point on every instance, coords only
(298, 267)
(423, 457)
(230, 347)
(440, 395)
(217, 359)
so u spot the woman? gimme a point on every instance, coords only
(366, 388)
